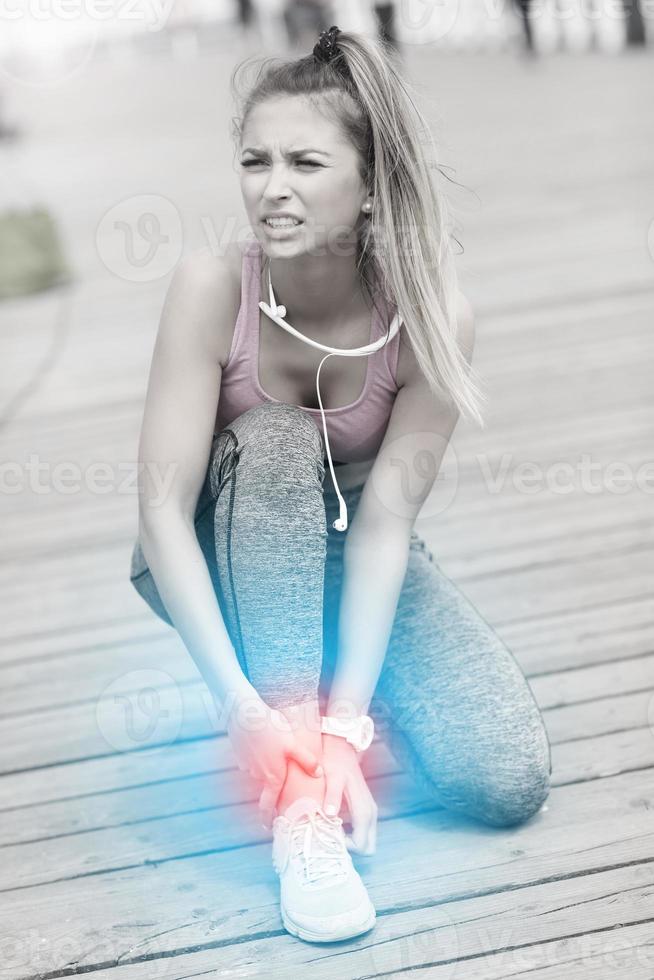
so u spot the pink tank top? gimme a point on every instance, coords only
(355, 431)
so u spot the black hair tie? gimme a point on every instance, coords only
(326, 48)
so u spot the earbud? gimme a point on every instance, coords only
(340, 524)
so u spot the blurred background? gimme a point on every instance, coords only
(116, 160)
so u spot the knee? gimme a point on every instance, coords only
(280, 432)
(504, 790)
(272, 418)
(515, 798)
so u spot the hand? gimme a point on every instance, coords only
(263, 742)
(343, 776)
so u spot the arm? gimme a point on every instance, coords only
(176, 437)
(376, 549)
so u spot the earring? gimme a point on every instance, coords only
(367, 206)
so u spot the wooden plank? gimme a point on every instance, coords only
(523, 592)
(43, 646)
(572, 638)
(581, 636)
(85, 727)
(625, 432)
(31, 687)
(189, 760)
(617, 951)
(524, 536)
(487, 479)
(213, 817)
(589, 741)
(611, 949)
(510, 880)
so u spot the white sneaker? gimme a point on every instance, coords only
(322, 897)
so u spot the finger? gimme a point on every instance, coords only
(267, 816)
(360, 817)
(306, 758)
(359, 834)
(270, 793)
(268, 801)
(333, 795)
(351, 846)
(372, 835)
(368, 814)
(372, 814)
(370, 825)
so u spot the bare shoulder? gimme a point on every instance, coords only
(206, 291)
(407, 365)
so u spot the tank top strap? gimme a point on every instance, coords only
(387, 360)
(244, 337)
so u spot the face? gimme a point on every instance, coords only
(293, 159)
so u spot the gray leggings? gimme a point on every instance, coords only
(452, 703)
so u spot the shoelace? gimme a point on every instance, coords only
(306, 840)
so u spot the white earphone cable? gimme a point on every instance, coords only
(277, 314)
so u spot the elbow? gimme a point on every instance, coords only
(156, 521)
(388, 541)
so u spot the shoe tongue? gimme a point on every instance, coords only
(304, 805)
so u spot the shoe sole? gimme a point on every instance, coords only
(301, 933)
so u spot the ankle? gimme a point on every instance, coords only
(299, 783)
(305, 719)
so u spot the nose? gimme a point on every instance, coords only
(277, 184)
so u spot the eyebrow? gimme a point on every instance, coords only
(291, 153)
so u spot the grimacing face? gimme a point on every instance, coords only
(293, 159)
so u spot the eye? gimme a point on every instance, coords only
(302, 163)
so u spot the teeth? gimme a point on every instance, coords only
(281, 222)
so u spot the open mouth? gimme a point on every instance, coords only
(281, 223)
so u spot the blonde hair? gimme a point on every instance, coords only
(405, 249)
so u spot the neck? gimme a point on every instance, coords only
(317, 291)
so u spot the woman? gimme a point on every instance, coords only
(356, 625)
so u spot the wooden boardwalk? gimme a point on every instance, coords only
(130, 844)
